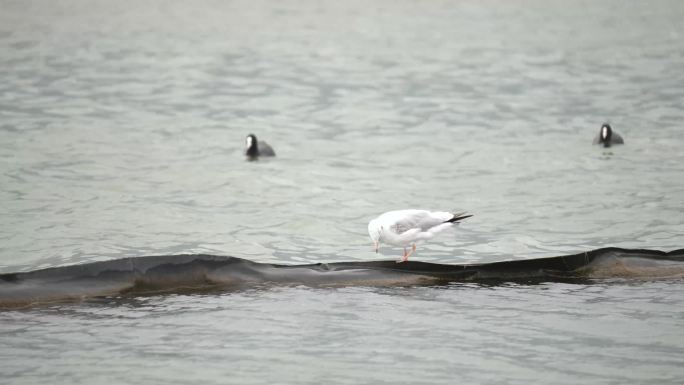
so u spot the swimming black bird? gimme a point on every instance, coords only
(255, 149)
(607, 136)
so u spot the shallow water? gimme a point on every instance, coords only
(121, 131)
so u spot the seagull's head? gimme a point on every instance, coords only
(251, 146)
(375, 231)
(605, 134)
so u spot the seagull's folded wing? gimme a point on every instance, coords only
(421, 219)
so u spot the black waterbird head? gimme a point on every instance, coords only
(251, 146)
(605, 135)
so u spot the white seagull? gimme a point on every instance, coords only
(405, 227)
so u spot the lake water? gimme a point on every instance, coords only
(122, 127)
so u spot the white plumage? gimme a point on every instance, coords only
(406, 227)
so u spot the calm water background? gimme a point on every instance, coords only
(121, 133)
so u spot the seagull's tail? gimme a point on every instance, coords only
(458, 217)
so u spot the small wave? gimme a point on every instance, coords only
(202, 272)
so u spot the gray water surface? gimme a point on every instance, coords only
(613, 333)
(121, 133)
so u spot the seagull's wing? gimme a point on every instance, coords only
(422, 220)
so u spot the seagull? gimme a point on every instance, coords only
(254, 149)
(607, 136)
(406, 227)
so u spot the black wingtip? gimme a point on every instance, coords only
(458, 217)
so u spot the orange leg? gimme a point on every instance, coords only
(406, 255)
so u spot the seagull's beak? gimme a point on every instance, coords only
(377, 246)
